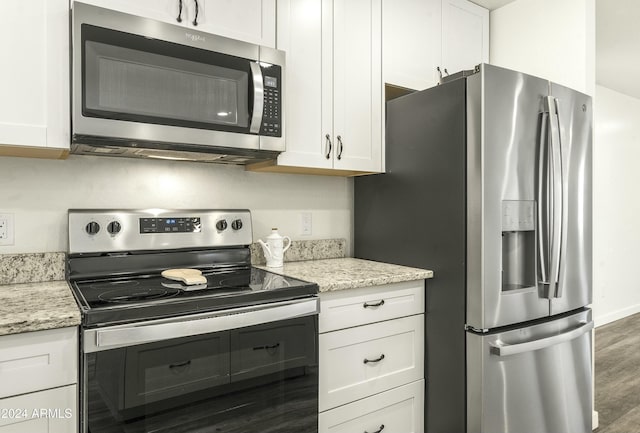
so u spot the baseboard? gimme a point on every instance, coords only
(616, 315)
(594, 420)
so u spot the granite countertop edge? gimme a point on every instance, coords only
(349, 273)
(28, 307)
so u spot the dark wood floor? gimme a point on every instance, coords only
(617, 368)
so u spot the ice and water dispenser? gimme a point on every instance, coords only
(518, 245)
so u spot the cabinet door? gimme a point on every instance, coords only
(357, 72)
(51, 411)
(35, 360)
(411, 49)
(34, 112)
(251, 21)
(303, 25)
(465, 35)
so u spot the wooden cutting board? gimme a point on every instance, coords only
(187, 276)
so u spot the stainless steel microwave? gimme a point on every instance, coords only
(144, 88)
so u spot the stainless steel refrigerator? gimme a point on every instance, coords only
(488, 183)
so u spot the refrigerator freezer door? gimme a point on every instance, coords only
(531, 380)
(574, 288)
(505, 125)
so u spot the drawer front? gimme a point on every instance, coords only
(38, 360)
(400, 410)
(348, 308)
(51, 411)
(358, 362)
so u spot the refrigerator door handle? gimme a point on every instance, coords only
(557, 198)
(550, 200)
(499, 348)
(542, 226)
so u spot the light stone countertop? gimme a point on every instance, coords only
(36, 307)
(349, 273)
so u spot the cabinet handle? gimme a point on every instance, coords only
(340, 147)
(328, 146)
(182, 364)
(377, 304)
(266, 347)
(195, 20)
(179, 19)
(367, 361)
(377, 431)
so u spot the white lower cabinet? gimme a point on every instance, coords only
(371, 358)
(399, 410)
(365, 360)
(38, 382)
(51, 411)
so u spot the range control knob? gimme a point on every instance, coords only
(114, 227)
(236, 224)
(221, 225)
(92, 228)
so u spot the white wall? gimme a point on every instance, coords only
(39, 192)
(616, 232)
(552, 39)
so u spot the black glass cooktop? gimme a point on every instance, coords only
(126, 299)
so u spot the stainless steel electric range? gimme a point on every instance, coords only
(233, 350)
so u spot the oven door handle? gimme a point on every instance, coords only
(147, 332)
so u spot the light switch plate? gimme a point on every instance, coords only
(306, 223)
(6, 229)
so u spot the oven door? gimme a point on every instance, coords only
(140, 80)
(257, 378)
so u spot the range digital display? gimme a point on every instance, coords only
(170, 225)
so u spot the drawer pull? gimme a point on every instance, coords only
(366, 361)
(266, 347)
(377, 431)
(182, 364)
(377, 304)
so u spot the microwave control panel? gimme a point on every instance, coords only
(272, 108)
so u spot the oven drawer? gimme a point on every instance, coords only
(357, 362)
(153, 372)
(38, 360)
(259, 351)
(348, 308)
(399, 410)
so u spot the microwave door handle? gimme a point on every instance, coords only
(258, 97)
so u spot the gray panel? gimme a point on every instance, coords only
(575, 117)
(414, 215)
(545, 389)
(502, 167)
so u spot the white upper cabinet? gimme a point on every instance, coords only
(333, 87)
(34, 81)
(465, 35)
(422, 36)
(252, 21)
(411, 42)
(247, 20)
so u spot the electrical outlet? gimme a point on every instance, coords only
(6, 229)
(305, 223)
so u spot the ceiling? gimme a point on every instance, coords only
(617, 43)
